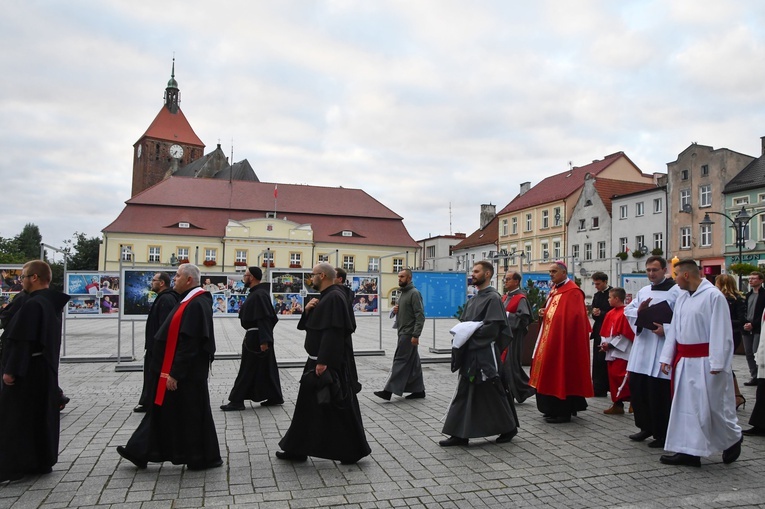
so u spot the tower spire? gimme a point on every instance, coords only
(172, 93)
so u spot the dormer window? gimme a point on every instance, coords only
(347, 233)
(270, 215)
(183, 225)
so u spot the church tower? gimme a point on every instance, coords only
(168, 143)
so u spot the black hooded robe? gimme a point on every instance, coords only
(258, 376)
(335, 430)
(163, 304)
(29, 409)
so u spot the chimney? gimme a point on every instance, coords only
(525, 186)
(488, 211)
(762, 139)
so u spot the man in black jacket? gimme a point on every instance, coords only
(755, 304)
(600, 307)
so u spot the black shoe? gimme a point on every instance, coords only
(204, 466)
(272, 402)
(349, 462)
(754, 431)
(284, 455)
(10, 476)
(383, 394)
(416, 395)
(681, 459)
(42, 470)
(452, 441)
(732, 453)
(656, 444)
(559, 419)
(232, 406)
(123, 452)
(62, 402)
(751, 383)
(139, 409)
(601, 394)
(640, 436)
(506, 437)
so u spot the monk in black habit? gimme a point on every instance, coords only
(327, 419)
(481, 407)
(178, 426)
(258, 377)
(29, 399)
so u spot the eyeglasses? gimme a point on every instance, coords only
(23, 276)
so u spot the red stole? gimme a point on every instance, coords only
(513, 302)
(616, 323)
(172, 343)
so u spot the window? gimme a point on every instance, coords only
(622, 212)
(705, 196)
(762, 230)
(685, 237)
(126, 253)
(545, 219)
(595, 223)
(556, 249)
(760, 198)
(639, 208)
(623, 244)
(347, 233)
(527, 249)
(504, 227)
(155, 253)
(557, 217)
(528, 222)
(684, 175)
(374, 264)
(513, 249)
(685, 198)
(582, 225)
(745, 233)
(398, 265)
(743, 200)
(182, 253)
(268, 258)
(545, 251)
(705, 235)
(430, 252)
(348, 263)
(658, 206)
(295, 259)
(211, 254)
(323, 258)
(704, 170)
(588, 251)
(514, 225)
(658, 241)
(639, 241)
(601, 250)
(575, 251)
(241, 256)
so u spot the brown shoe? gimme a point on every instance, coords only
(614, 410)
(632, 411)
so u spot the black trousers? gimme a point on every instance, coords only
(599, 369)
(758, 413)
(651, 399)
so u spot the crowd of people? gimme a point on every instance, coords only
(667, 352)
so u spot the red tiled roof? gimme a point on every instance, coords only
(608, 188)
(172, 127)
(482, 236)
(560, 186)
(329, 211)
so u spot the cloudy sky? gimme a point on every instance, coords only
(422, 104)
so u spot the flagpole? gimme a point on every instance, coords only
(276, 194)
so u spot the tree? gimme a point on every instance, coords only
(82, 252)
(9, 252)
(28, 242)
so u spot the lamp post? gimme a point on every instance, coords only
(739, 224)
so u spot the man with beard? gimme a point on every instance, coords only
(480, 406)
(327, 419)
(600, 308)
(518, 316)
(258, 377)
(406, 373)
(341, 276)
(560, 370)
(29, 399)
(179, 426)
(699, 350)
(164, 302)
(650, 392)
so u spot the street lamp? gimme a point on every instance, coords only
(739, 224)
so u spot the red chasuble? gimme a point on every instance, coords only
(561, 364)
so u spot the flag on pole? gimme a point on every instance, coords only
(276, 191)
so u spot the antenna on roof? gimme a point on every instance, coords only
(450, 218)
(570, 168)
(231, 163)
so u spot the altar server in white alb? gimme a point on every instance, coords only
(699, 350)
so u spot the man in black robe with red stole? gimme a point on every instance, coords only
(163, 304)
(480, 406)
(29, 399)
(327, 420)
(178, 426)
(560, 369)
(258, 377)
(518, 317)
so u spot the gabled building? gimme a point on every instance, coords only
(589, 229)
(696, 182)
(534, 222)
(436, 252)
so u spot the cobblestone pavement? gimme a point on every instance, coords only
(586, 463)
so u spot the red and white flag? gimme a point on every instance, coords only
(276, 191)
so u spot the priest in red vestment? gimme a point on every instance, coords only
(560, 369)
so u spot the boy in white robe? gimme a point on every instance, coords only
(699, 350)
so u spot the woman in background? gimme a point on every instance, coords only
(727, 285)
